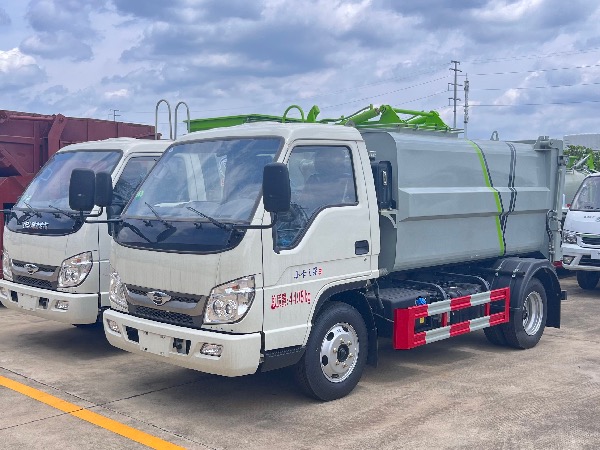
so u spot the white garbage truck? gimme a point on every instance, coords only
(265, 245)
(54, 264)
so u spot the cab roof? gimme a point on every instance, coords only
(124, 144)
(288, 131)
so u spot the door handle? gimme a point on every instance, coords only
(361, 247)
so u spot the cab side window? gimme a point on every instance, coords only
(134, 172)
(320, 177)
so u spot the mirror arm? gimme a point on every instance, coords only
(257, 227)
(97, 215)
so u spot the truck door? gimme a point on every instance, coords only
(323, 241)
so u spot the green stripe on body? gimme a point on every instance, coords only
(496, 194)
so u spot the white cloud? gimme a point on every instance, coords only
(13, 60)
(118, 94)
(18, 70)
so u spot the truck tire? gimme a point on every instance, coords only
(587, 280)
(527, 324)
(495, 335)
(336, 353)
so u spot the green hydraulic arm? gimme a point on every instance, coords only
(383, 116)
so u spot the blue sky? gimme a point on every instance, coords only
(533, 65)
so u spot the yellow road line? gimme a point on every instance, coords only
(89, 416)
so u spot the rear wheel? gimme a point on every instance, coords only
(336, 353)
(527, 324)
(587, 280)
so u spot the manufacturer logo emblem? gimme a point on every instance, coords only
(159, 298)
(598, 219)
(31, 268)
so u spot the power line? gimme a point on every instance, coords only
(328, 106)
(576, 102)
(324, 94)
(539, 87)
(538, 70)
(534, 56)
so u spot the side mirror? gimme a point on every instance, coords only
(276, 188)
(82, 190)
(104, 189)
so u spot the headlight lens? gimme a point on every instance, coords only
(6, 266)
(75, 269)
(117, 289)
(230, 302)
(569, 237)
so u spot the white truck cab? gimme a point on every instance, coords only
(581, 233)
(55, 265)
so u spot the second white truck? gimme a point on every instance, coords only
(55, 265)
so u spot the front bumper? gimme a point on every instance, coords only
(82, 308)
(584, 258)
(181, 346)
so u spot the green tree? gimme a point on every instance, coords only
(576, 153)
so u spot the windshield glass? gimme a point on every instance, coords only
(51, 185)
(588, 196)
(221, 179)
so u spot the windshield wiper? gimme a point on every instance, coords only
(163, 221)
(33, 210)
(64, 213)
(215, 222)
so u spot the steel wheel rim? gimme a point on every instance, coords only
(533, 313)
(339, 352)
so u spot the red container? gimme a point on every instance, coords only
(28, 140)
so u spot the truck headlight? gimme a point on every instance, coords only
(6, 266)
(74, 270)
(230, 302)
(569, 237)
(116, 292)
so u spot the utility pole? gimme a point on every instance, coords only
(455, 86)
(466, 119)
(115, 115)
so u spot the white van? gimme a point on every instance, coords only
(55, 265)
(581, 233)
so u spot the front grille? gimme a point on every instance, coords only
(33, 282)
(41, 267)
(178, 298)
(588, 261)
(590, 239)
(183, 320)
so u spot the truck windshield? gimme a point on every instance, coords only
(195, 193)
(221, 179)
(49, 190)
(588, 196)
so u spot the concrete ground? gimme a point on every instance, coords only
(462, 392)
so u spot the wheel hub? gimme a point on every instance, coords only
(339, 352)
(533, 313)
(342, 353)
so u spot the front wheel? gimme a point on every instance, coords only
(527, 324)
(336, 353)
(587, 280)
